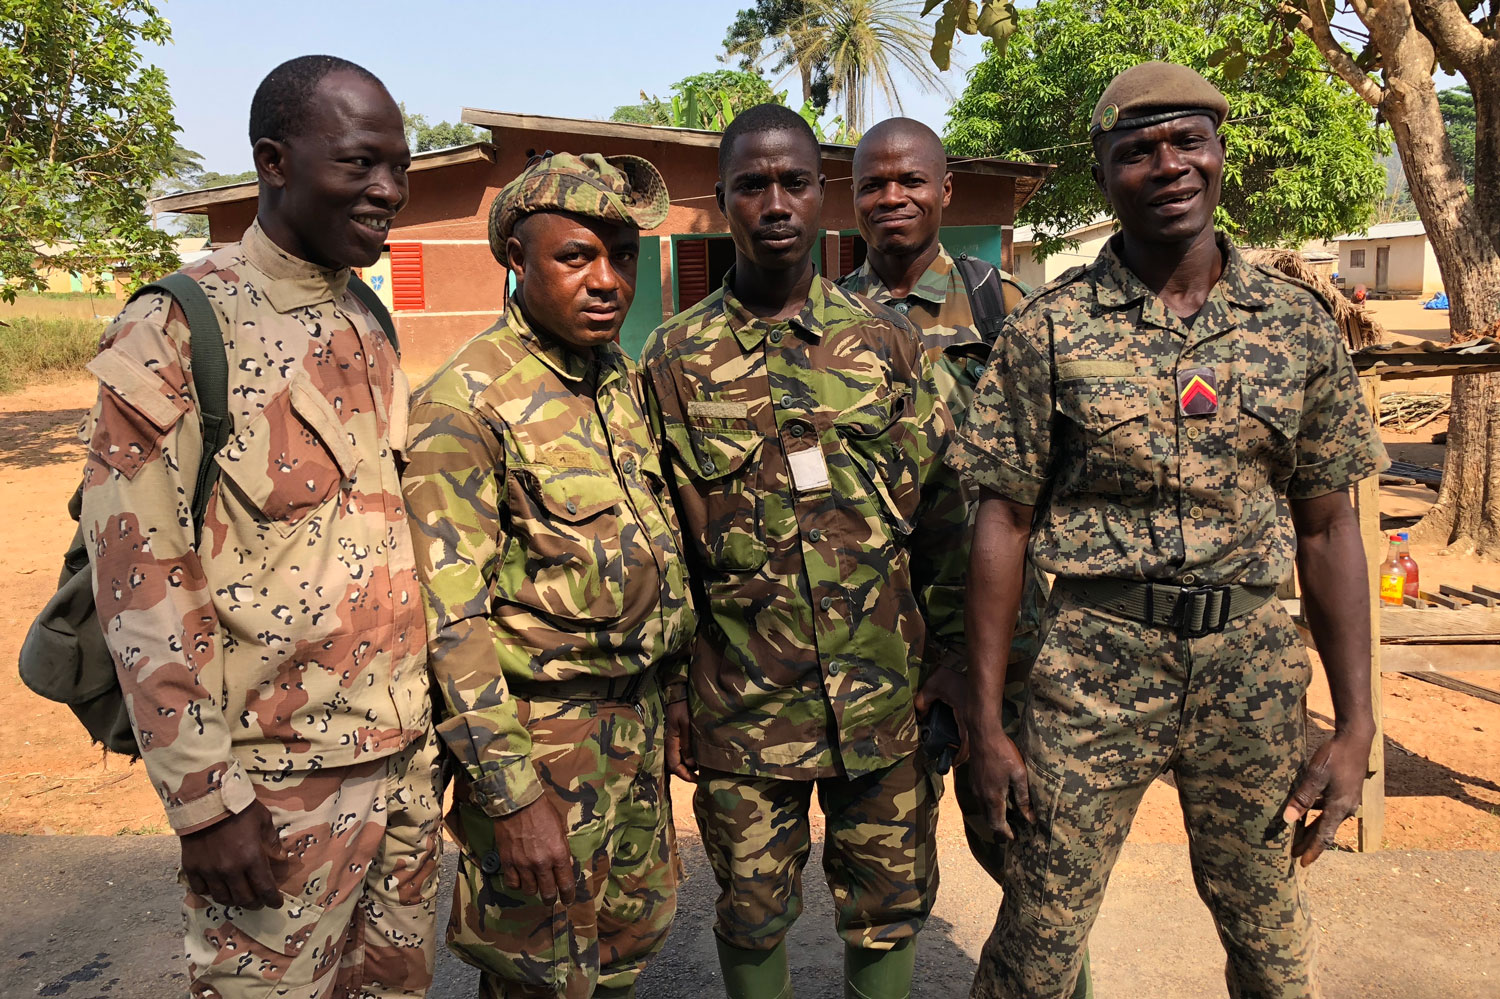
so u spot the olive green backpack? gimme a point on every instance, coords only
(64, 657)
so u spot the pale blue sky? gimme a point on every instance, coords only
(574, 59)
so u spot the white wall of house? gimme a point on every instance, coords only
(1412, 269)
(1091, 239)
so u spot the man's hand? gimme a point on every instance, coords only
(679, 747)
(997, 772)
(230, 861)
(1333, 782)
(533, 847)
(950, 687)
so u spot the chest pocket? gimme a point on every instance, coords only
(723, 510)
(1267, 440)
(1114, 420)
(877, 438)
(291, 459)
(563, 552)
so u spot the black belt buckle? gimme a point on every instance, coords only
(1196, 603)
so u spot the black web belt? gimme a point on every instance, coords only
(619, 689)
(1191, 611)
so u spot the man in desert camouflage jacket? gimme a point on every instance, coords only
(557, 600)
(1189, 424)
(802, 428)
(275, 673)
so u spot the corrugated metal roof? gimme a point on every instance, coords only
(1386, 230)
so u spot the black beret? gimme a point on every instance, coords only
(1154, 92)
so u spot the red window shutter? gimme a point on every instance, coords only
(846, 255)
(408, 285)
(692, 272)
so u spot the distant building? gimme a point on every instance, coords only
(116, 280)
(1393, 258)
(1090, 237)
(443, 286)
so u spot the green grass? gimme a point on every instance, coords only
(32, 349)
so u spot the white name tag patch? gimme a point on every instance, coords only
(809, 470)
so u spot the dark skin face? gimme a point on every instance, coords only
(1164, 182)
(901, 186)
(328, 193)
(575, 276)
(772, 194)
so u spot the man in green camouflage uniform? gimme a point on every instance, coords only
(556, 598)
(1190, 423)
(901, 186)
(802, 428)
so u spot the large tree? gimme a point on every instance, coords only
(768, 33)
(421, 135)
(86, 127)
(704, 100)
(1303, 152)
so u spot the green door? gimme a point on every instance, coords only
(645, 311)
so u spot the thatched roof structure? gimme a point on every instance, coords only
(1359, 325)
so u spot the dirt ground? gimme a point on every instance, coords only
(1442, 749)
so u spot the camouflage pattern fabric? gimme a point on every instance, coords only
(879, 852)
(359, 893)
(292, 638)
(546, 544)
(1224, 714)
(812, 593)
(1087, 380)
(601, 766)
(1080, 405)
(625, 189)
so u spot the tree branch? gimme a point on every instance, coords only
(1312, 19)
(1454, 36)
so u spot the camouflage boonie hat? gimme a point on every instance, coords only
(1154, 92)
(624, 189)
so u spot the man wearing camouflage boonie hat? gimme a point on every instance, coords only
(1190, 423)
(556, 598)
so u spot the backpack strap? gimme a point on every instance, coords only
(993, 294)
(210, 381)
(372, 301)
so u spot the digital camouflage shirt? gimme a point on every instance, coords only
(818, 516)
(546, 543)
(1170, 450)
(938, 306)
(292, 639)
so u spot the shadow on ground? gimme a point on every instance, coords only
(35, 437)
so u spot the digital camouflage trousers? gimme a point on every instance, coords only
(602, 768)
(359, 891)
(1111, 705)
(879, 852)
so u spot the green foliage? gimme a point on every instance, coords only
(1302, 151)
(769, 33)
(422, 136)
(996, 20)
(1459, 118)
(32, 348)
(86, 127)
(704, 100)
(862, 43)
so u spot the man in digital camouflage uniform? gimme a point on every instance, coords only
(802, 427)
(901, 186)
(557, 600)
(275, 672)
(1191, 423)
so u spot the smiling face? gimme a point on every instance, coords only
(575, 276)
(772, 194)
(333, 188)
(901, 186)
(1164, 180)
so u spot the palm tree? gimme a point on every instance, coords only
(769, 32)
(862, 43)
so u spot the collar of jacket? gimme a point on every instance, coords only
(750, 330)
(931, 287)
(567, 364)
(295, 283)
(1117, 286)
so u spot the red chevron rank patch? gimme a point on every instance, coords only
(1197, 392)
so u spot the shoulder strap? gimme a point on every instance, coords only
(210, 380)
(986, 295)
(372, 301)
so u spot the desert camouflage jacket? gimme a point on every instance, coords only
(1170, 449)
(818, 516)
(938, 306)
(546, 543)
(292, 638)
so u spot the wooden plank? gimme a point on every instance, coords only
(1473, 689)
(1485, 590)
(1410, 601)
(1400, 622)
(1371, 816)
(1452, 603)
(1439, 658)
(1469, 595)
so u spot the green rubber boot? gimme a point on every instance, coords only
(1084, 987)
(755, 974)
(879, 974)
